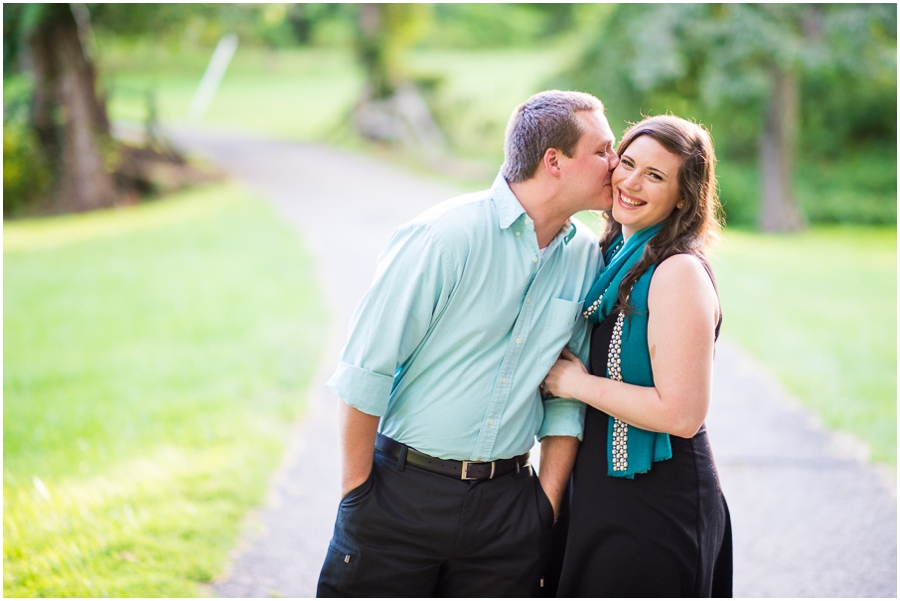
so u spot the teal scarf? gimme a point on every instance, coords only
(635, 449)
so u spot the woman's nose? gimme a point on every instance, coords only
(632, 181)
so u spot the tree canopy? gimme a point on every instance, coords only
(744, 67)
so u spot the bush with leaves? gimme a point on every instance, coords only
(26, 177)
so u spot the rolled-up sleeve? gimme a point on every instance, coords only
(411, 286)
(562, 417)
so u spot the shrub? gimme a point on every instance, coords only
(25, 174)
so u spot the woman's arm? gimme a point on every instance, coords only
(680, 335)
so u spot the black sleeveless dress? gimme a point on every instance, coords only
(667, 533)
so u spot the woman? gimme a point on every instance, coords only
(644, 514)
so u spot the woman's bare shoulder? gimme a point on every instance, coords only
(682, 275)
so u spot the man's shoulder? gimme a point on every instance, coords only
(456, 211)
(459, 221)
(452, 226)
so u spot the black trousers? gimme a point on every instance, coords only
(407, 532)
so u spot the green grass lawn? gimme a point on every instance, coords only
(300, 94)
(155, 358)
(820, 309)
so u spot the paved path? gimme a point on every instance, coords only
(810, 519)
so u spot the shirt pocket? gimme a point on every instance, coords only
(556, 330)
(562, 313)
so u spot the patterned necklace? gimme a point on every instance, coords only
(620, 428)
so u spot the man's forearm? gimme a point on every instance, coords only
(557, 459)
(358, 431)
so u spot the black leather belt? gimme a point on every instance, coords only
(461, 470)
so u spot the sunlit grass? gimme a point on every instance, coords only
(154, 360)
(291, 93)
(820, 309)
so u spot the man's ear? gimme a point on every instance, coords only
(551, 162)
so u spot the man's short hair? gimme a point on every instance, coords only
(546, 120)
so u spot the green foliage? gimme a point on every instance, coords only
(195, 24)
(156, 358)
(710, 63)
(856, 185)
(26, 176)
(739, 191)
(384, 34)
(702, 61)
(848, 109)
(267, 25)
(477, 91)
(784, 300)
(470, 26)
(284, 25)
(12, 39)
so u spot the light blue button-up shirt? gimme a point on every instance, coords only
(464, 319)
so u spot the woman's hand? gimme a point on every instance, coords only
(564, 375)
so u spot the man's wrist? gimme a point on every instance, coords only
(351, 481)
(554, 493)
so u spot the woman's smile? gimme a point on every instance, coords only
(629, 202)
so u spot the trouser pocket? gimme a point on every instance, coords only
(544, 506)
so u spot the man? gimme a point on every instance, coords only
(471, 304)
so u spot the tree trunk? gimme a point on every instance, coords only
(780, 211)
(70, 120)
(374, 52)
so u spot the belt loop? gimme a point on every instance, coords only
(401, 458)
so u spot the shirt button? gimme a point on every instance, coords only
(527, 299)
(518, 341)
(534, 259)
(518, 233)
(503, 381)
(491, 422)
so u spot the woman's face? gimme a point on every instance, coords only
(645, 185)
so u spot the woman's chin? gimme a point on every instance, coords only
(621, 215)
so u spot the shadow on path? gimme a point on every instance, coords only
(810, 519)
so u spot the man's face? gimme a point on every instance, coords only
(587, 175)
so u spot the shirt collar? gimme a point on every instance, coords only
(508, 207)
(571, 233)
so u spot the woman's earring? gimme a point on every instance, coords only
(680, 205)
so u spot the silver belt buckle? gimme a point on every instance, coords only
(465, 470)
